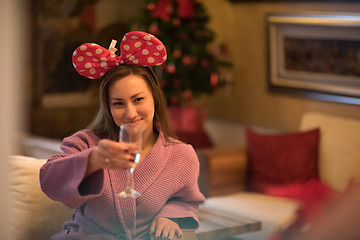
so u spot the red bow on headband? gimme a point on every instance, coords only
(137, 48)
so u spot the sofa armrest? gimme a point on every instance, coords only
(222, 170)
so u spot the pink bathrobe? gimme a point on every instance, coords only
(166, 178)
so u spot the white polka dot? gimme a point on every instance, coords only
(136, 61)
(95, 60)
(103, 64)
(132, 58)
(145, 52)
(156, 54)
(88, 65)
(92, 71)
(103, 59)
(83, 70)
(91, 77)
(81, 58)
(158, 64)
(134, 37)
(83, 48)
(151, 59)
(98, 51)
(94, 44)
(89, 54)
(124, 39)
(159, 47)
(75, 53)
(128, 55)
(74, 65)
(102, 74)
(149, 43)
(147, 38)
(122, 62)
(165, 57)
(137, 44)
(126, 47)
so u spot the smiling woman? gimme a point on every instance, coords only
(129, 95)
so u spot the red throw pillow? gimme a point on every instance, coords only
(281, 159)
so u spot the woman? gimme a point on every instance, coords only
(92, 169)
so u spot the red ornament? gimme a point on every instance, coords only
(154, 29)
(163, 9)
(151, 6)
(171, 68)
(187, 95)
(186, 60)
(214, 79)
(177, 22)
(174, 100)
(176, 53)
(186, 9)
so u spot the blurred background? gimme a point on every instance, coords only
(43, 96)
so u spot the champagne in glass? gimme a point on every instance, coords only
(131, 134)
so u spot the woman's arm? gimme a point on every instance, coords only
(62, 175)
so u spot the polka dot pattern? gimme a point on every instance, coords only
(142, 48)
(137, 48)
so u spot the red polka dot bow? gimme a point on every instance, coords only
(137, 48)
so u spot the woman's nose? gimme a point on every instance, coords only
(131, 111)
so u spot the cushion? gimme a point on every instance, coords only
(339, 151)
(311, 194)
(32, 214)
(281, 159)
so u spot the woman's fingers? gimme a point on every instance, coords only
(178, 232)
(165, 228)
(113, 154)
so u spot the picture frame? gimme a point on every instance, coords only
(315, 56)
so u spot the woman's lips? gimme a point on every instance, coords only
(132, 122)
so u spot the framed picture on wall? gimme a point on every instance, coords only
(315, 56)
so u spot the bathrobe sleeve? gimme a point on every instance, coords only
(62, 175)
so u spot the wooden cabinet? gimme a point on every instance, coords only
(222, 171)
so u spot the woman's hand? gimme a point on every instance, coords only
(165, 228)
(111, 155)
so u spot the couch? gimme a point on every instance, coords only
(223, 175)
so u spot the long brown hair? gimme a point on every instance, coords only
(104, 126)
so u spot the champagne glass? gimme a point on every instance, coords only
(131, 134)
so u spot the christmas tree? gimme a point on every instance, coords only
(192, 69)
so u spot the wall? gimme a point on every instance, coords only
(12, 68)
(241, 26)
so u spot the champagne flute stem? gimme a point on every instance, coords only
(130, 184)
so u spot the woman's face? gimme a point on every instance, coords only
(131, 103)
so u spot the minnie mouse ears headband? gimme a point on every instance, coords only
(137, 48)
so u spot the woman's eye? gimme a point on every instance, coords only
(139, 99)
(118, 103)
